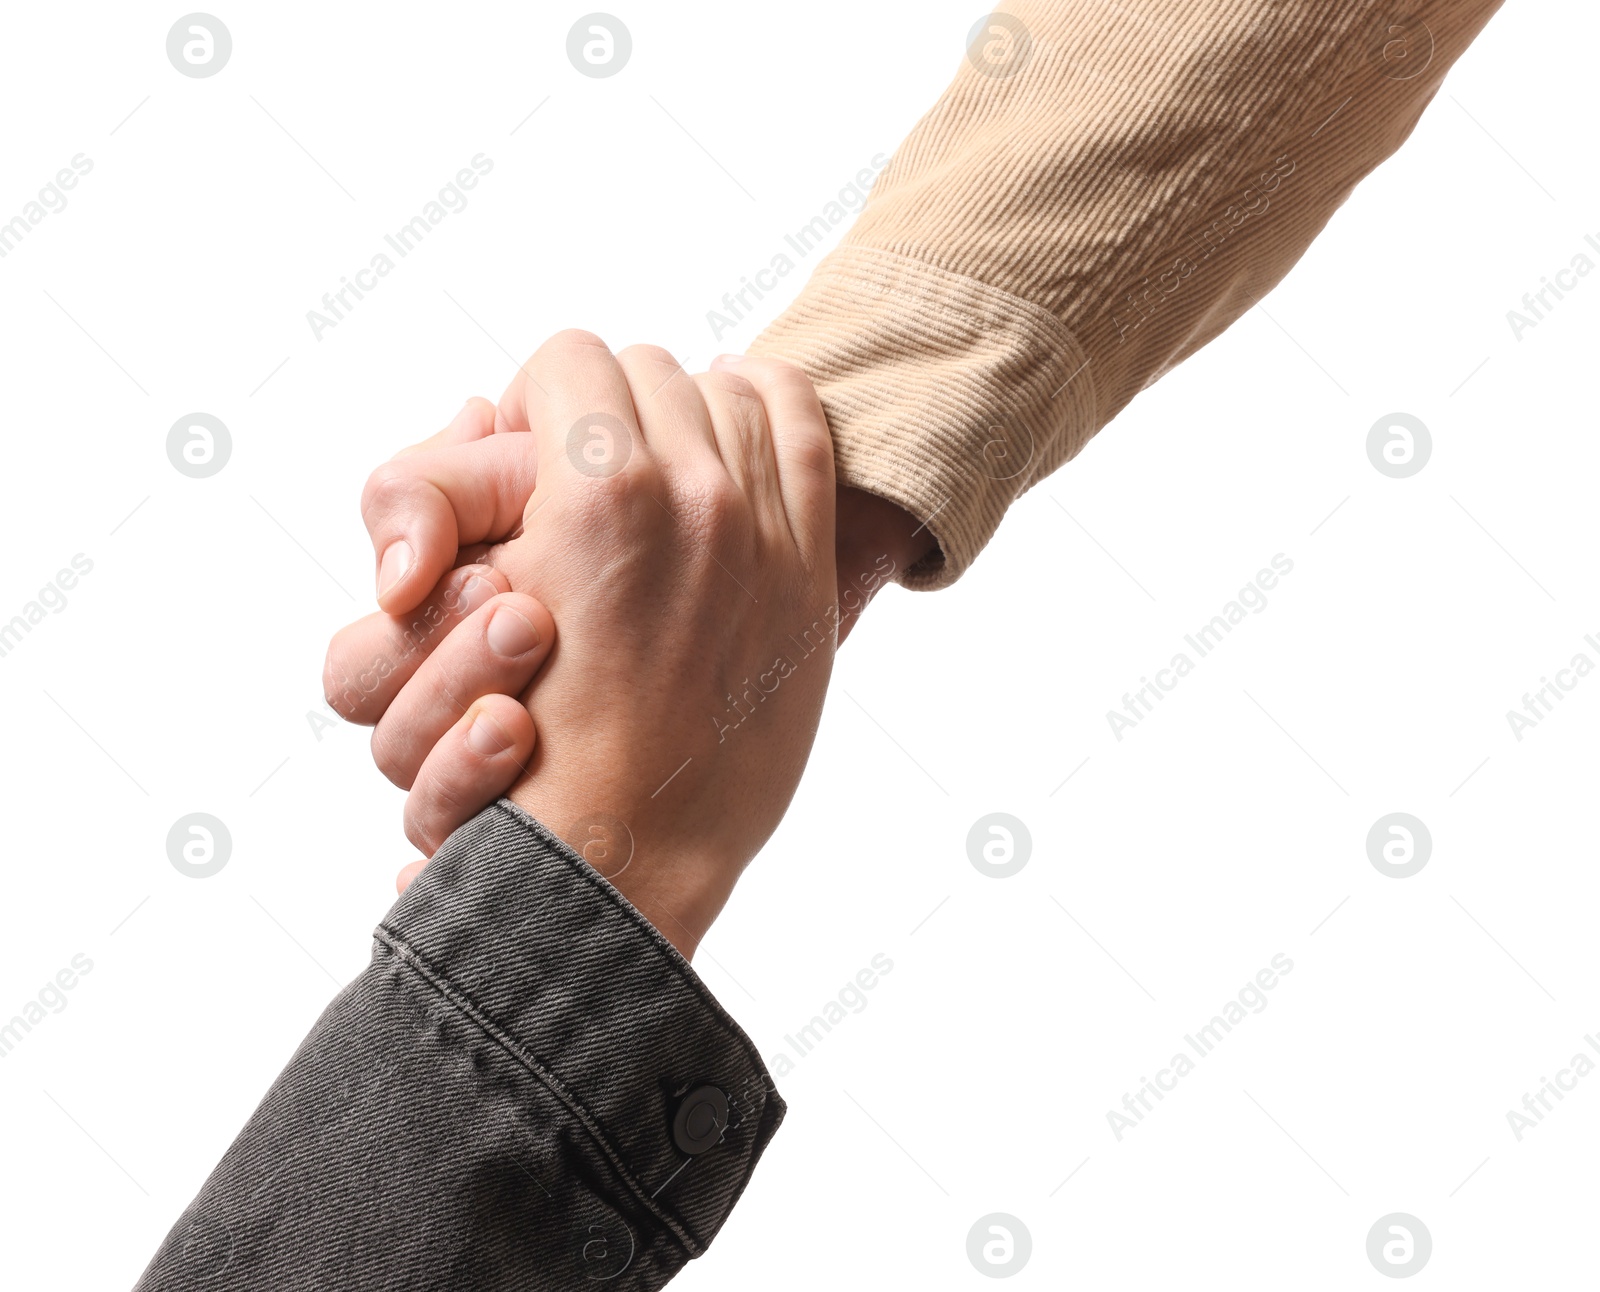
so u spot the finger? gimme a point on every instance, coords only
(672, 413)
(744, 439)
(422, 508)
(402, 881)
(476, 761)
(495, 651)
(802, 444)
(574, 398)
(475, 421)
(370, 660)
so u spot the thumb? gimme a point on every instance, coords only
(424, 506)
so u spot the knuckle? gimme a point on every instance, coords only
(386, 757)
(790, 376)
(345, 686)
(614, 506)
(653, 354)
(441, 800)
(437, 803)
(416, 831)
(604, 499)
(717, 508)
(810, 453)
(570, 340)
(386, 488)
(601, 444)
(640, 478)
(335, 690)
(731, 386)
(723, 500)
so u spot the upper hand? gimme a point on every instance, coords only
(689, 561)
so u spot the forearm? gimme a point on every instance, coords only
(1062, 229)
(491, 1104)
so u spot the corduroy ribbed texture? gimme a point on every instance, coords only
(1105, 187)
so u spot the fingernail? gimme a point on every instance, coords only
(486, 737)
(476, 591)
(398, 559)
(510, 634)
(727, 360)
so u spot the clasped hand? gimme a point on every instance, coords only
(612, 597)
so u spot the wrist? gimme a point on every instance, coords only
(877, 542)
(870, 527)
(681, 900)
(680, 891)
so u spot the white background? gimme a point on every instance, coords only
(1170, 868)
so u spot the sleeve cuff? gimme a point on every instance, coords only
(946, 396)
(554, 965)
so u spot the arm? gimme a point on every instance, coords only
(529, 1087)
(491, 1104)
(1103, 189)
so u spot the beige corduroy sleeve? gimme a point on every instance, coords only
(1105, 187)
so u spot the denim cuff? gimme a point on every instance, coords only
(558, 970)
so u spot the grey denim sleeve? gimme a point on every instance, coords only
(527, 1087)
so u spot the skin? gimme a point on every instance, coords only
(487, 736)
(697, 593)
